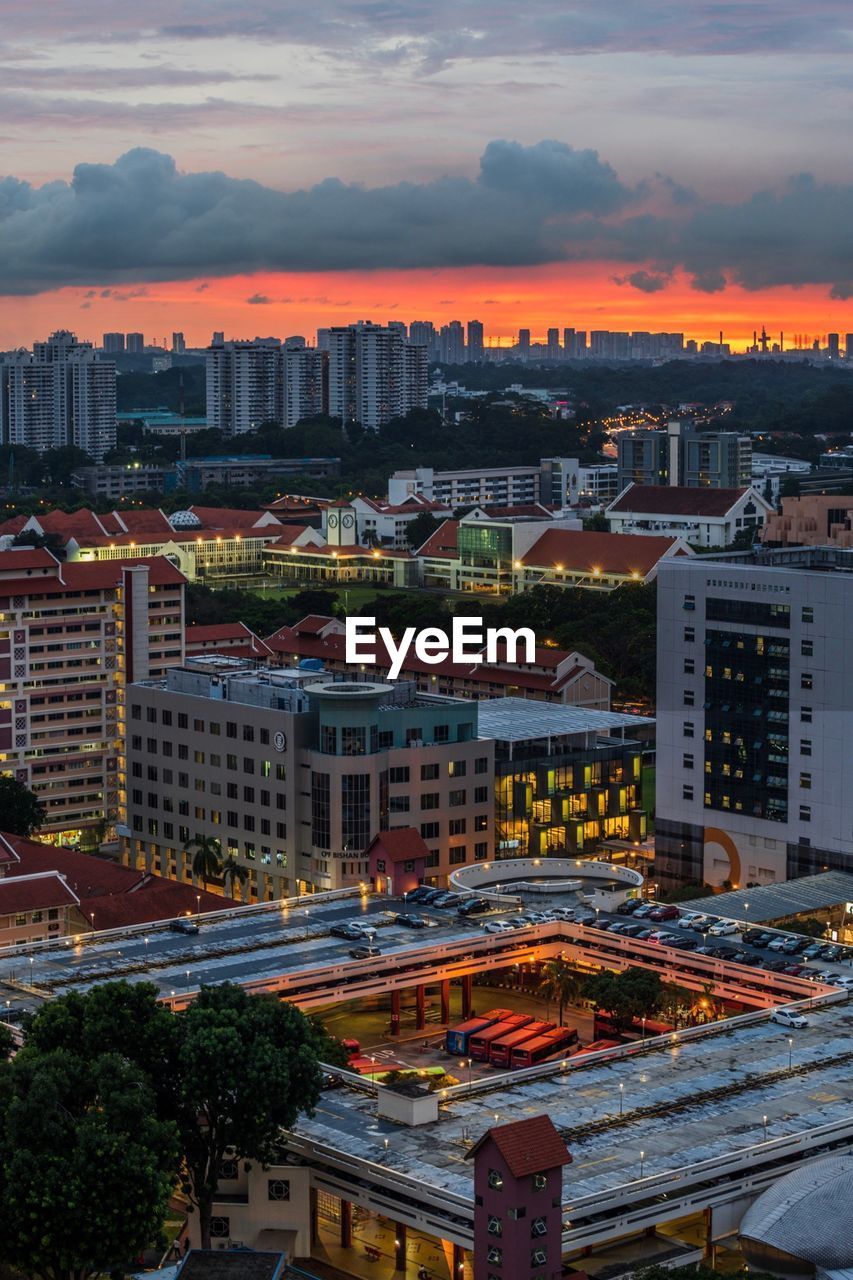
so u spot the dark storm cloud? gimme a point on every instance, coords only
(140, 219)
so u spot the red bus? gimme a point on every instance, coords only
(597, 1046)
(550, 1042)
(500, 1051)
(456, 1039)
(638, 1030)
(478, 1043)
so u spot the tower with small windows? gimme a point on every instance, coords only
(518, 1185)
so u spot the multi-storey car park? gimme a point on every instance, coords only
(671, 1138)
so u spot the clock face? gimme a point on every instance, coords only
(348, 522)
(333, 520)
(280, 742)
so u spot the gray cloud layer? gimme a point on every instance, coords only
(140, 219)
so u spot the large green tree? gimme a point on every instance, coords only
(247, 1067)
(21, 812)
(206, 854)
(86, 1166)
(627, 996)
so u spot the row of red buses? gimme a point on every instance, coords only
(457, 1039)
(479, 1042)
(557, 1041)
(638, 1030)
(501, 1050)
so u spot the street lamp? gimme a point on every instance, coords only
(642, 1162)
(790, 1053)
(145, 940)
(764, 1121)
(643, 1020)
(198, 907)
(621, 1096)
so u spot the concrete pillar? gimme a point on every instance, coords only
(458, 1266)
(445, 1001)
(315, 1230)
(395, 1013)
(399, 1246)
(346, 1223)
(466, 995)
(420, 1007)
(708, 1251)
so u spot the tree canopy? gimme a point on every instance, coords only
(626, 996)
(21, 812)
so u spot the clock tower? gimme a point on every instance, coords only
(341, 525)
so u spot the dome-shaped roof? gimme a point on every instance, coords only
(184, 520)
(808, 1214)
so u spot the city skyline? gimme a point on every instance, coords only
(656, 170)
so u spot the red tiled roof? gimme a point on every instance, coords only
(232, 517)
(87, 575)
(37, 892)
(289, 534)
(14, 525)
(155, 899)
(676, 500)
(294, 505)
(399, 844)
(414, 505)
(217, 631)
(205, 639)
(442, 542)
(527, 1146)
(142, 520)
(78, 523)
(311, 625)
(609, 553)
(26, 559)
(86, 875)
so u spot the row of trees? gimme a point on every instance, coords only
(208, 863)
(627, 997)
(114, 1104)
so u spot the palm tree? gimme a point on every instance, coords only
(561, 983)
(233, 872)
(207, 857)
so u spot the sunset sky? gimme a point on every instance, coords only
(265, 169)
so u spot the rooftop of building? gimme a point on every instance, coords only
(40, 891)
(524, 720)
(621, 554)
(771, 902)
(676, 500)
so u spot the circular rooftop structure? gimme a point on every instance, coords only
(348, 688)
(517, 879)
(184, 520)
(804, 1222)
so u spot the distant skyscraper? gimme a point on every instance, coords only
(323, 339)
(524, 344)
(306, 383)
(422, 334)
(179, 346)
(554, 351)
(848, 345)
(833, 345)
(244, 385)
(569, 350)
(135, 343)
(475, 341)
(60, 394)
(374, 374)
(452, 343)
(113, 342)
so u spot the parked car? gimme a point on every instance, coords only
(777, 943)
(664, 911)
(832, 953)
(564, 913)
(629, 906)
(497, 926)
(793, 946)
(644, 935)
(365, 951)
(347, 931)
(686, 919)
(644, 911)
(723, 929)
(786, 1018)
(418, 895)
(660, 935)
(763, 940)
(813, 952)
(585, 917)
(472, 907)
(430, 896)
(183, 924)
(409, 920)
(703, 922)
(689, 944)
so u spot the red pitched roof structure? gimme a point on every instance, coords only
(676, 500)
(605, 553)
(402, 844)
(527, 1146)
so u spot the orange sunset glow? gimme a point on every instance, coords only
(585, 297)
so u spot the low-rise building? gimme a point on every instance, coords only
(814, 520)
(599, 561)
(231, 639)
(121, 480)
(551, 480)
(294, 774)
(377, 524)
(701, 517)
(194, 475)
(555, 675)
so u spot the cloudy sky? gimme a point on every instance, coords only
(266, 168)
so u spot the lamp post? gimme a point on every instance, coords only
(790, 1053)
(764, 1121)
(197, 908)
(643, 1020)
(642, 1162)
(145, 940)
(621, 1097)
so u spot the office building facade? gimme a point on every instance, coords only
(755, 692)
(294, 773)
